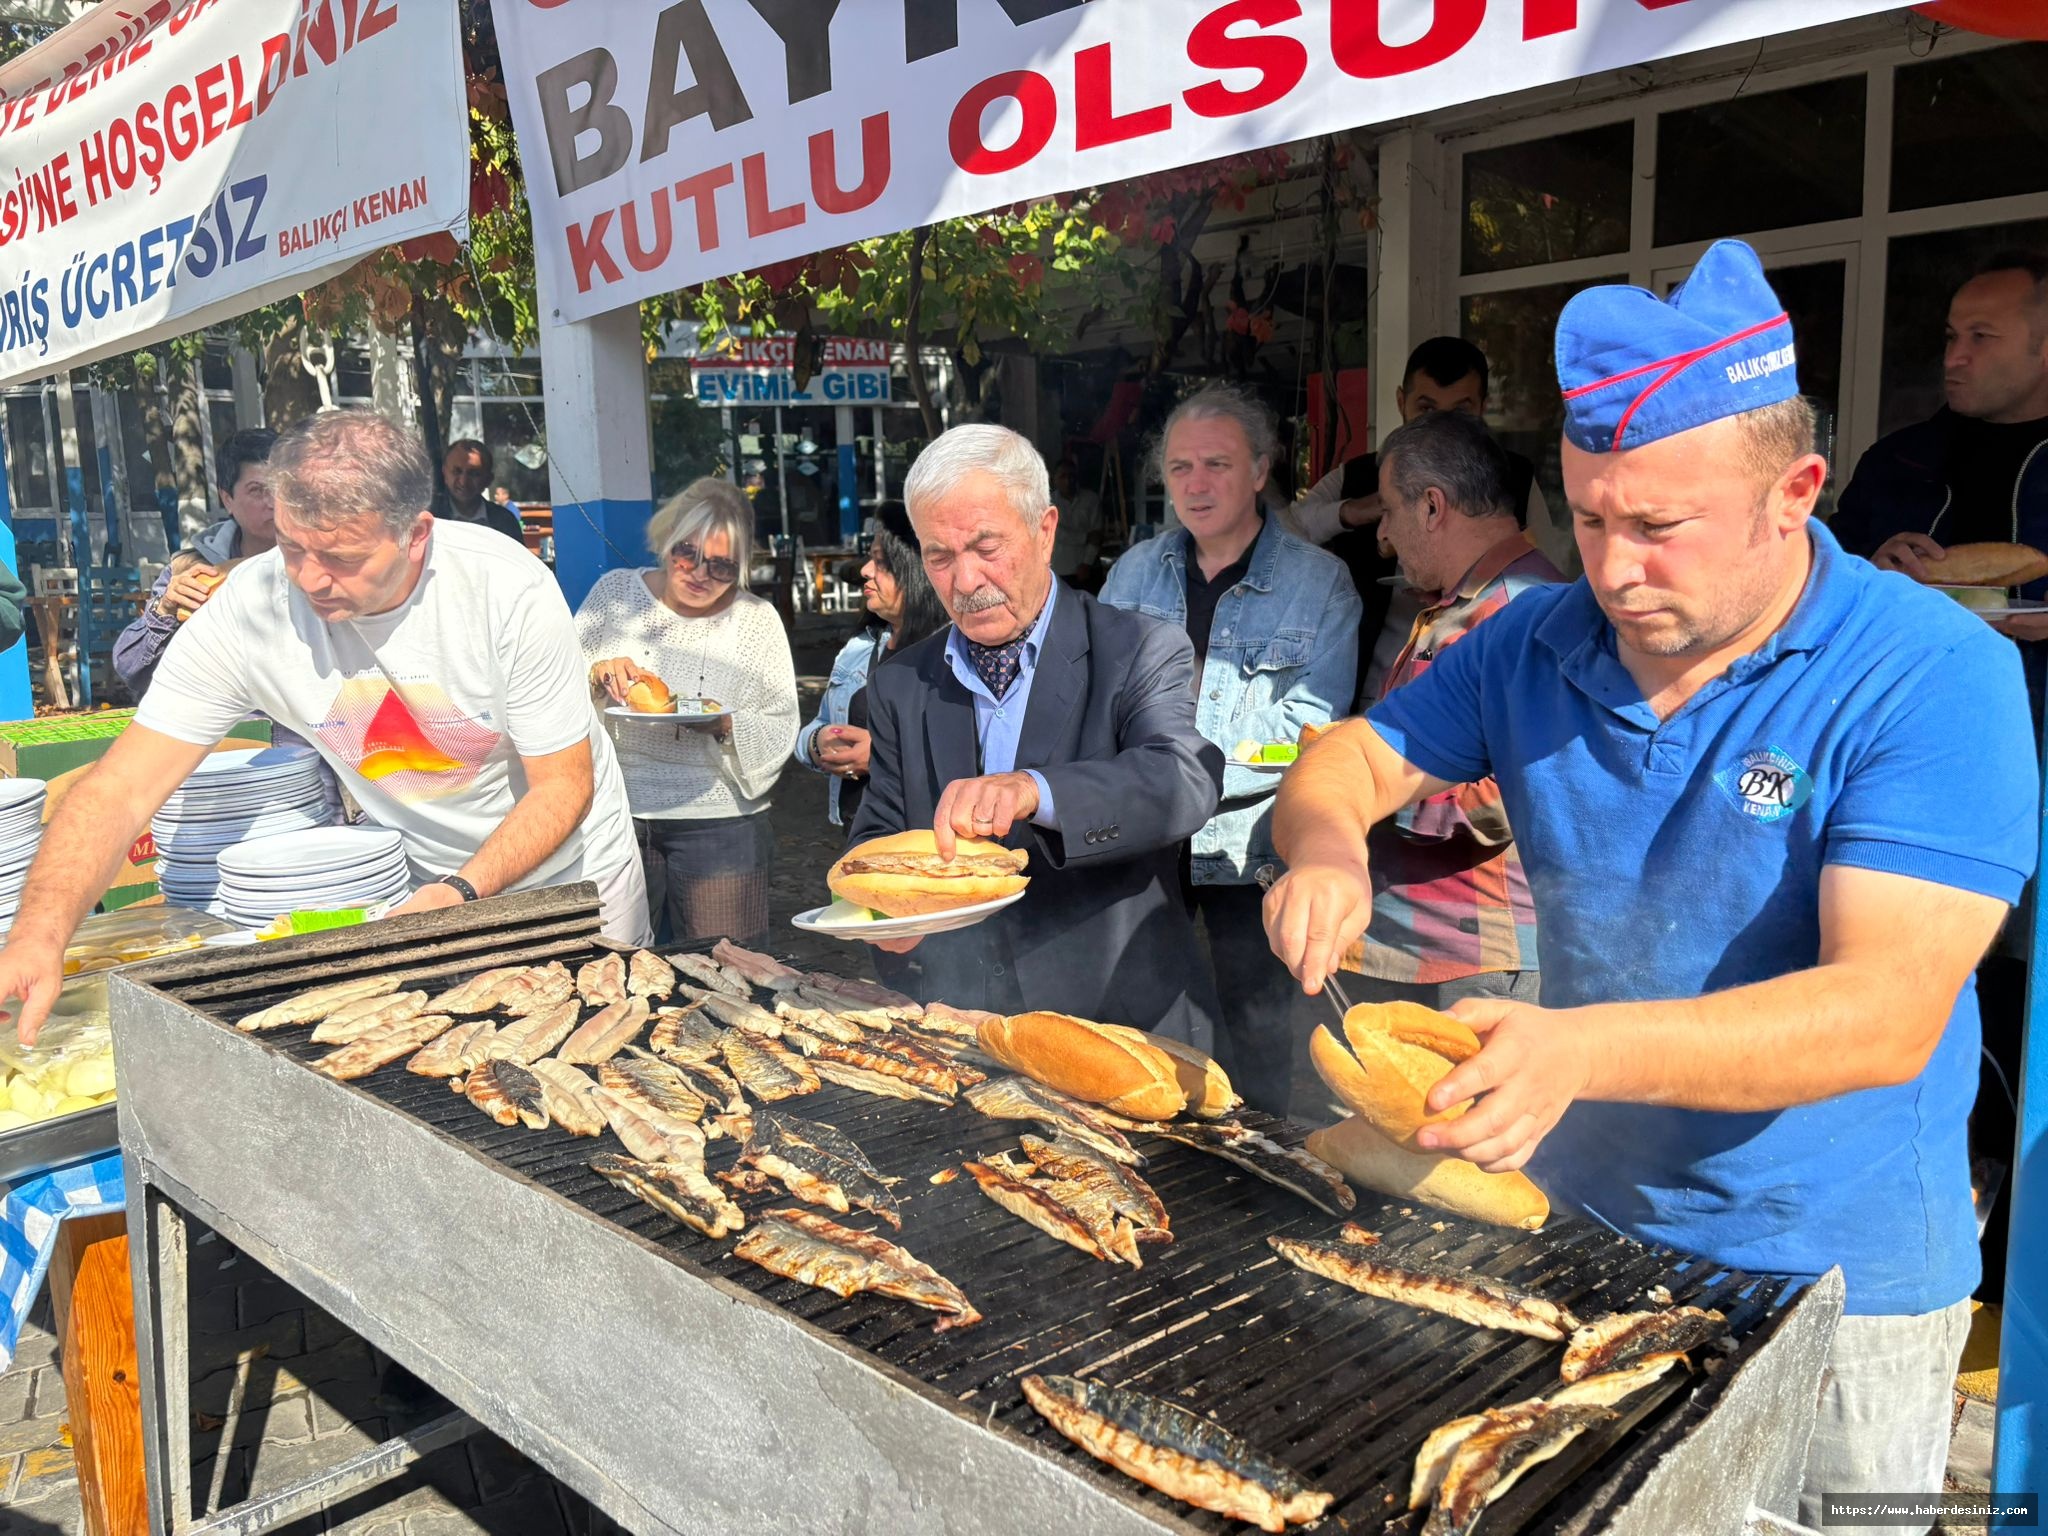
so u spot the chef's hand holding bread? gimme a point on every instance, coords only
(1144, 1076)
(1395, 1068)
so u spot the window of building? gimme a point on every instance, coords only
(1724, 168)
(1970, 126)
(1517, 331)
(1550, 199)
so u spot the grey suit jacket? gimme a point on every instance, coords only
(1102, 933)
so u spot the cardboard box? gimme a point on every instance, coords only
(60, 750)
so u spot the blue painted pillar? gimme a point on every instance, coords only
(2020, 1458)
(17, 702)
(594, 382)
(845, 431)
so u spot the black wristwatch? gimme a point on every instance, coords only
(460, 886)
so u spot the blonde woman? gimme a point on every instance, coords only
(699, 789)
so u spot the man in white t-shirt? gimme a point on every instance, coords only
(433, 665)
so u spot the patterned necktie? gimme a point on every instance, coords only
(997, 665)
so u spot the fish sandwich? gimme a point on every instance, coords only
(902, 875)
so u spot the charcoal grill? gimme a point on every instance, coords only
(683, 1390)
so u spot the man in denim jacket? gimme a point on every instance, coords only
(1274, 622)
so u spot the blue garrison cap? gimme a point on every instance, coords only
(1635, 368)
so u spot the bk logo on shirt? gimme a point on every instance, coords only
(1766, 783)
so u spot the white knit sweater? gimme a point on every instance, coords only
(739, 657)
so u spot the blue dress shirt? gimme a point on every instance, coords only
(999, 723)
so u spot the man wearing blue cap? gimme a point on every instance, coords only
(1773, 804)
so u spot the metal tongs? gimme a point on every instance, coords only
(1333, 992)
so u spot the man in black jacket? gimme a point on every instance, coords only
(1049, 722)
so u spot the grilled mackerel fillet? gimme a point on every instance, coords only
(540, 990)
(1620, 1340)
(479, 994)
(351, 1021)
(1036, 1201)
(570, 1097)
(532, 1037)
(602, 980)
(648, 1133)
(819, 1021)
(311, 1007)
(1477, 1299)
(763, 971)
(857, 1066)
(681, 1188)
(1121, 1191)
(649, 976)
(804, 1246)
(765, 1068)
(1019, 1098)
(1494, 1456)
(963, 1024)
(1182, 1454)
(653, 1084)
(383, 1045)
(458, 1050)
(507, 1092)
(739, 1012)
(605, 1033)
(684, 1035)
(850, 994)
(808, 1159)
(1292, 1169)
(712, 976)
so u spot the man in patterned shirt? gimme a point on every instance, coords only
(1451, 913)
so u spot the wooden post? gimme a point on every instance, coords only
(94, 1306)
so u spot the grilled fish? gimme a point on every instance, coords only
(1494, 1456)
(1603, 1391)
(383, 1045)
(479, 994)
(763, 971)
(605, 1033)
(570, 1097)
(649, 976)
(602, 981)
(653, 1084)
(451, 1054)
(804, 1246)
(882, 1085)
(1614, 1342)
(1477, 1299)
(1292, 1169)
(680, 1187)
(683, 1034)
(736, 1011)
(820, 1021)
(1122, 1191)
(711, 1083)
(963, 1024)
(765, 1068)
(712, 976)
(311, 1007)
(1035, 1201)
(850, 993)
(351, 1021)
(795, 1152)
(508, 1093)
(1182, 1454)
(1019, 1098)
(537, 992)
(648, 1133)
(878, 1058)
(532, 1037)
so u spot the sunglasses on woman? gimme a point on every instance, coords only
(718, 568)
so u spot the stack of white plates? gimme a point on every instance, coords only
(322, 870)
(21, 831)
(230, 798)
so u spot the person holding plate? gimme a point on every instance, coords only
(699, 778)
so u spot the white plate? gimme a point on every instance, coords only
(839, 922)
(2011, 611)
(308, 852)
(689, 716)
(22, 792)
(1259, 767)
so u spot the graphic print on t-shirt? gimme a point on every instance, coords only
(420, 750)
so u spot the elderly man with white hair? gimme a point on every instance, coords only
(433, 665)
(1052, 723)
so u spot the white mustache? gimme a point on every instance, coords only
(980, 600)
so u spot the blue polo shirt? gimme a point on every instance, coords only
(1882, 727)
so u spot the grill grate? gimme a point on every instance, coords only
(1338, 1386)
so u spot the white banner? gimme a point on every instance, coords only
(669, 143)
(164, 166)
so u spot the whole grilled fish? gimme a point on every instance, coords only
(850, 993)
(654, 1084)
(765, 1068)
(1036, 1202)
(649, 976)
(311, 1007)
(1123, 1193)
(1604, 1391)
(712, 976)
(527, 1040)
(1292, 1169)
(605, 1033)
(602, 981)
(1019, 1098)
(1493, 1458)
(382, 1045)
(570, 1097)
(736, 1011)
(508, 1093)
(1614, 1342)
(538, 991)
(457, 1051)
(479, 994)
(1477, 1299)
(1182, 1454)
(680, 1187)
(791, 1151)
(648, 1133)
(351, 1021)
(763, 971)
(683, 1034)
(804, 1246)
